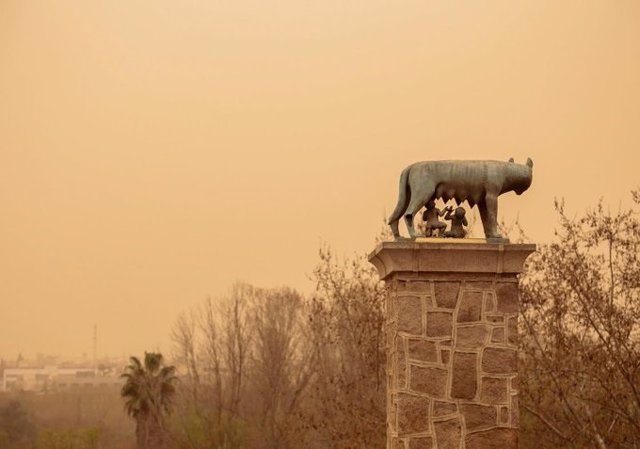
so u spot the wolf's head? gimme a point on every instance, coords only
(518, 177)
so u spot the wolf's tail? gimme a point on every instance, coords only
(403, 197)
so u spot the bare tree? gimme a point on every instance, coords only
(281, 363)
(346, 407)
(236, 338)
(211, 348)
(247, 367)
(184, 336)
(581, 317)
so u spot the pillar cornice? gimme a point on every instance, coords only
(468, 256)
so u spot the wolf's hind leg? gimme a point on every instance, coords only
(408, 219)
(414, 206)
(421, 191)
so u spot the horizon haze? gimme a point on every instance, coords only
(154, 152)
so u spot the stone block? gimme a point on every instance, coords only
(423, 350)
(512, 330)
(504, 416)
(418, 286)
(464, 382)
(489, 303)
(497, 335)
(498, 438)
(430, 302)
(480, 285)
(409, 314)
(428, 380)
(413, 414)
(446, 294)
(471, 337)
(442, 408)
(508, 299)
(514, 385)
(390, 335)
(392, 411)
(421, 443)
(494, 390)
(396, 443)
(470, 309)
(445, 355)
(448, 434)
(515, 412)
(390, 304)
(478, 417)
(499, 361)
(439, 324)
(401, 363)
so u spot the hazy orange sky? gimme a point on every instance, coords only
(153, 152)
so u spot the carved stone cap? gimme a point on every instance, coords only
(438, 256)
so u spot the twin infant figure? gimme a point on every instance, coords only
(436, 228)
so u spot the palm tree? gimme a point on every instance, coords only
(148, 393)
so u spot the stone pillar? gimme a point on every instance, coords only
(451, 342)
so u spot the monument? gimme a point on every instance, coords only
(451, 314)
(477, 182)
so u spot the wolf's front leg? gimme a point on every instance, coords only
(489, 215)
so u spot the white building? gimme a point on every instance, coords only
(54, 378)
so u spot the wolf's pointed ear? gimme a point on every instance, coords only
(510, 159)
(529, 162)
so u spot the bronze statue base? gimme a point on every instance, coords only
(454, 240)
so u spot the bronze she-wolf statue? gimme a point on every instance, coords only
(477, 182)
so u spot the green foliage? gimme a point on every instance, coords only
(16, 426)
(4, 440)
(92, 416)
(204, 431)
(68, 439)
(148, 393)
(148, 388)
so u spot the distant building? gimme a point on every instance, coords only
(55, 378)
